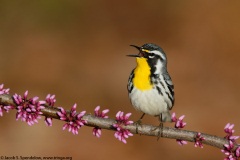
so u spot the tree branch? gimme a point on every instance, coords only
(144, 129)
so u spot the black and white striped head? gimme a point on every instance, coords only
(155, 56)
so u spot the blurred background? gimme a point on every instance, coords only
(77, 50)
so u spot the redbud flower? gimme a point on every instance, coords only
(5, 108)
(178, 121)
(123, 119)
(3, 91)
(237, 152)
(178, 125)
(101, 114)
(198, 140)
(50, 101)
(74, 121)
(28, 110)
(228, 148)
(229, 130)
(48, 121)
(121, 134)
(228, 151)
(62, 114)
(181, 142)
(2, 107)
(97, 131)
(230, 157)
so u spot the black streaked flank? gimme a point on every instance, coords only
(171, 87)
(130, 82)
(171, 99)
(162, 84)
(159, 90)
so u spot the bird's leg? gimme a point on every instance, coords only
(139, 122)
(160, 127)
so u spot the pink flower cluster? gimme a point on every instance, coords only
(228, 150)
(3, 90)
(50, 101)
(229, 130)
(121, 134)
(97, 131)
(28, 110)
(4, 108)
(74, 120)
(178, 121)
(198, 140)
(178, 125)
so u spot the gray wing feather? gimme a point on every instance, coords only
(170, 86)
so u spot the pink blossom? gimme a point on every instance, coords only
(5, 108)
(198, 140)
(62, 114)
(178, 125)
(121, 134)
(181, 142)
(28, 110)
(50, 101)
(2, 107)
(237, 152)
(97, 131)
(74, 120)
(228, 151)
(101, 114)
(3, 91)
(229, 148)
(178, 121)
(229, 130)
(48, 121)
(123, 119)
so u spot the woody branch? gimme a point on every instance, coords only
(143, 129)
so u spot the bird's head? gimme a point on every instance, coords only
(149, 51)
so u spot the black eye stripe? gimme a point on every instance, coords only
(151, 54)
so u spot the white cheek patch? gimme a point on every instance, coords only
(159, 65)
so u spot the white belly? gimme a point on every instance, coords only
(148, 101)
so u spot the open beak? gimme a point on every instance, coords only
(136, 47)
(135, 55)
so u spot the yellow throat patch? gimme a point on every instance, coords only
(142, 73)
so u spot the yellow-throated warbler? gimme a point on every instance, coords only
(150, 87)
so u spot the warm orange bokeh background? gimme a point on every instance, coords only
(76, 50)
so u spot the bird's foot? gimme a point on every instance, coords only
(138, 123)
(160, 130)
(160, 127)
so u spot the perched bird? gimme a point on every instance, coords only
(150, 87)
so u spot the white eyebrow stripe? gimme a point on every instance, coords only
(158, 53)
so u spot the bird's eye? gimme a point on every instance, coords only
(151, 55)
